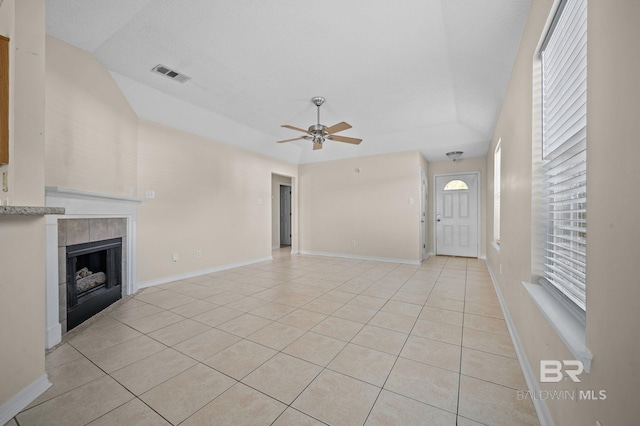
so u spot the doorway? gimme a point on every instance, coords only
(285, 215)
(423, 215)
(456, 214)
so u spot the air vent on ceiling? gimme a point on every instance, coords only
(168, 72)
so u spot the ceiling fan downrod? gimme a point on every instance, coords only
(318, 100)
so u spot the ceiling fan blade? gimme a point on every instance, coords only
(289, 140)
(294, 128)
(346, 139)
(338, 127)
(317, 146)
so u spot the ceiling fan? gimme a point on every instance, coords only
(319, 133)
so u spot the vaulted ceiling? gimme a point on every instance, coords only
(410, 74)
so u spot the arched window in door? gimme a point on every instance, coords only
(456, 185)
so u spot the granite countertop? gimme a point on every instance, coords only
(29, 211)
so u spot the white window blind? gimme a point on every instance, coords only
(564, 155)
(497, 165)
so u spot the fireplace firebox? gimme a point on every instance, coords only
(94, 278)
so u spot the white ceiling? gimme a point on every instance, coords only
(411, 74)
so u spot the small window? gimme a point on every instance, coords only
(497, 166)
(455, 185)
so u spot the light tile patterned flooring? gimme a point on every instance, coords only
(300, 340)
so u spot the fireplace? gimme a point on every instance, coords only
(89, 218)
(94, 278)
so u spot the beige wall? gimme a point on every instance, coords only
(460, 166)
(612, 279)
(338, 205)
(208, 196)
(22, 278)
(91, 130)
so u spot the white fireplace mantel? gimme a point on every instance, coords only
(78, 205)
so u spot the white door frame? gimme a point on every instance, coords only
(435, 209)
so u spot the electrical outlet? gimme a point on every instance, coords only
(198, 253)
(5, 182)
(410, 200)
(353, 242)
(174, 257)
(150, 194)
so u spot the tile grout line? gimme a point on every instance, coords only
(277, 282)
(464, 304)
(322, 369)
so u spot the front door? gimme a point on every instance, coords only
(285, 215)
(457, 215)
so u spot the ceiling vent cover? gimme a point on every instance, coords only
(168, 72)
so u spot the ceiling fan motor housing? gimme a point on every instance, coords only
(318, 128)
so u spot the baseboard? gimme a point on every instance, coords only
(165, 280)
(26, 396)
(544, 416)
(53, 336)
(359, 257)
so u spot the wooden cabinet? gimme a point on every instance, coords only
(4, 100)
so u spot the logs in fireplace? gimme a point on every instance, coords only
(94, 278)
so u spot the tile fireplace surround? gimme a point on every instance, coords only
(80, 231)
(89, 217)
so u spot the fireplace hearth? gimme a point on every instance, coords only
(94, 278)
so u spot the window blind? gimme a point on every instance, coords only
(564, 154)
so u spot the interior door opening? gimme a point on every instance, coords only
(285, 215)
(423, 215)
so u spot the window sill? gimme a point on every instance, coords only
(496, 246)
(570, 330)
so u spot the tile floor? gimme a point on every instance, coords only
(300, 340)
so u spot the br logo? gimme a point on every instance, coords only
(551, 370)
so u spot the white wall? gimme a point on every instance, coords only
(365, 200)
(613, 210)
(209, 196)
(22, 277)
(91, 130)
